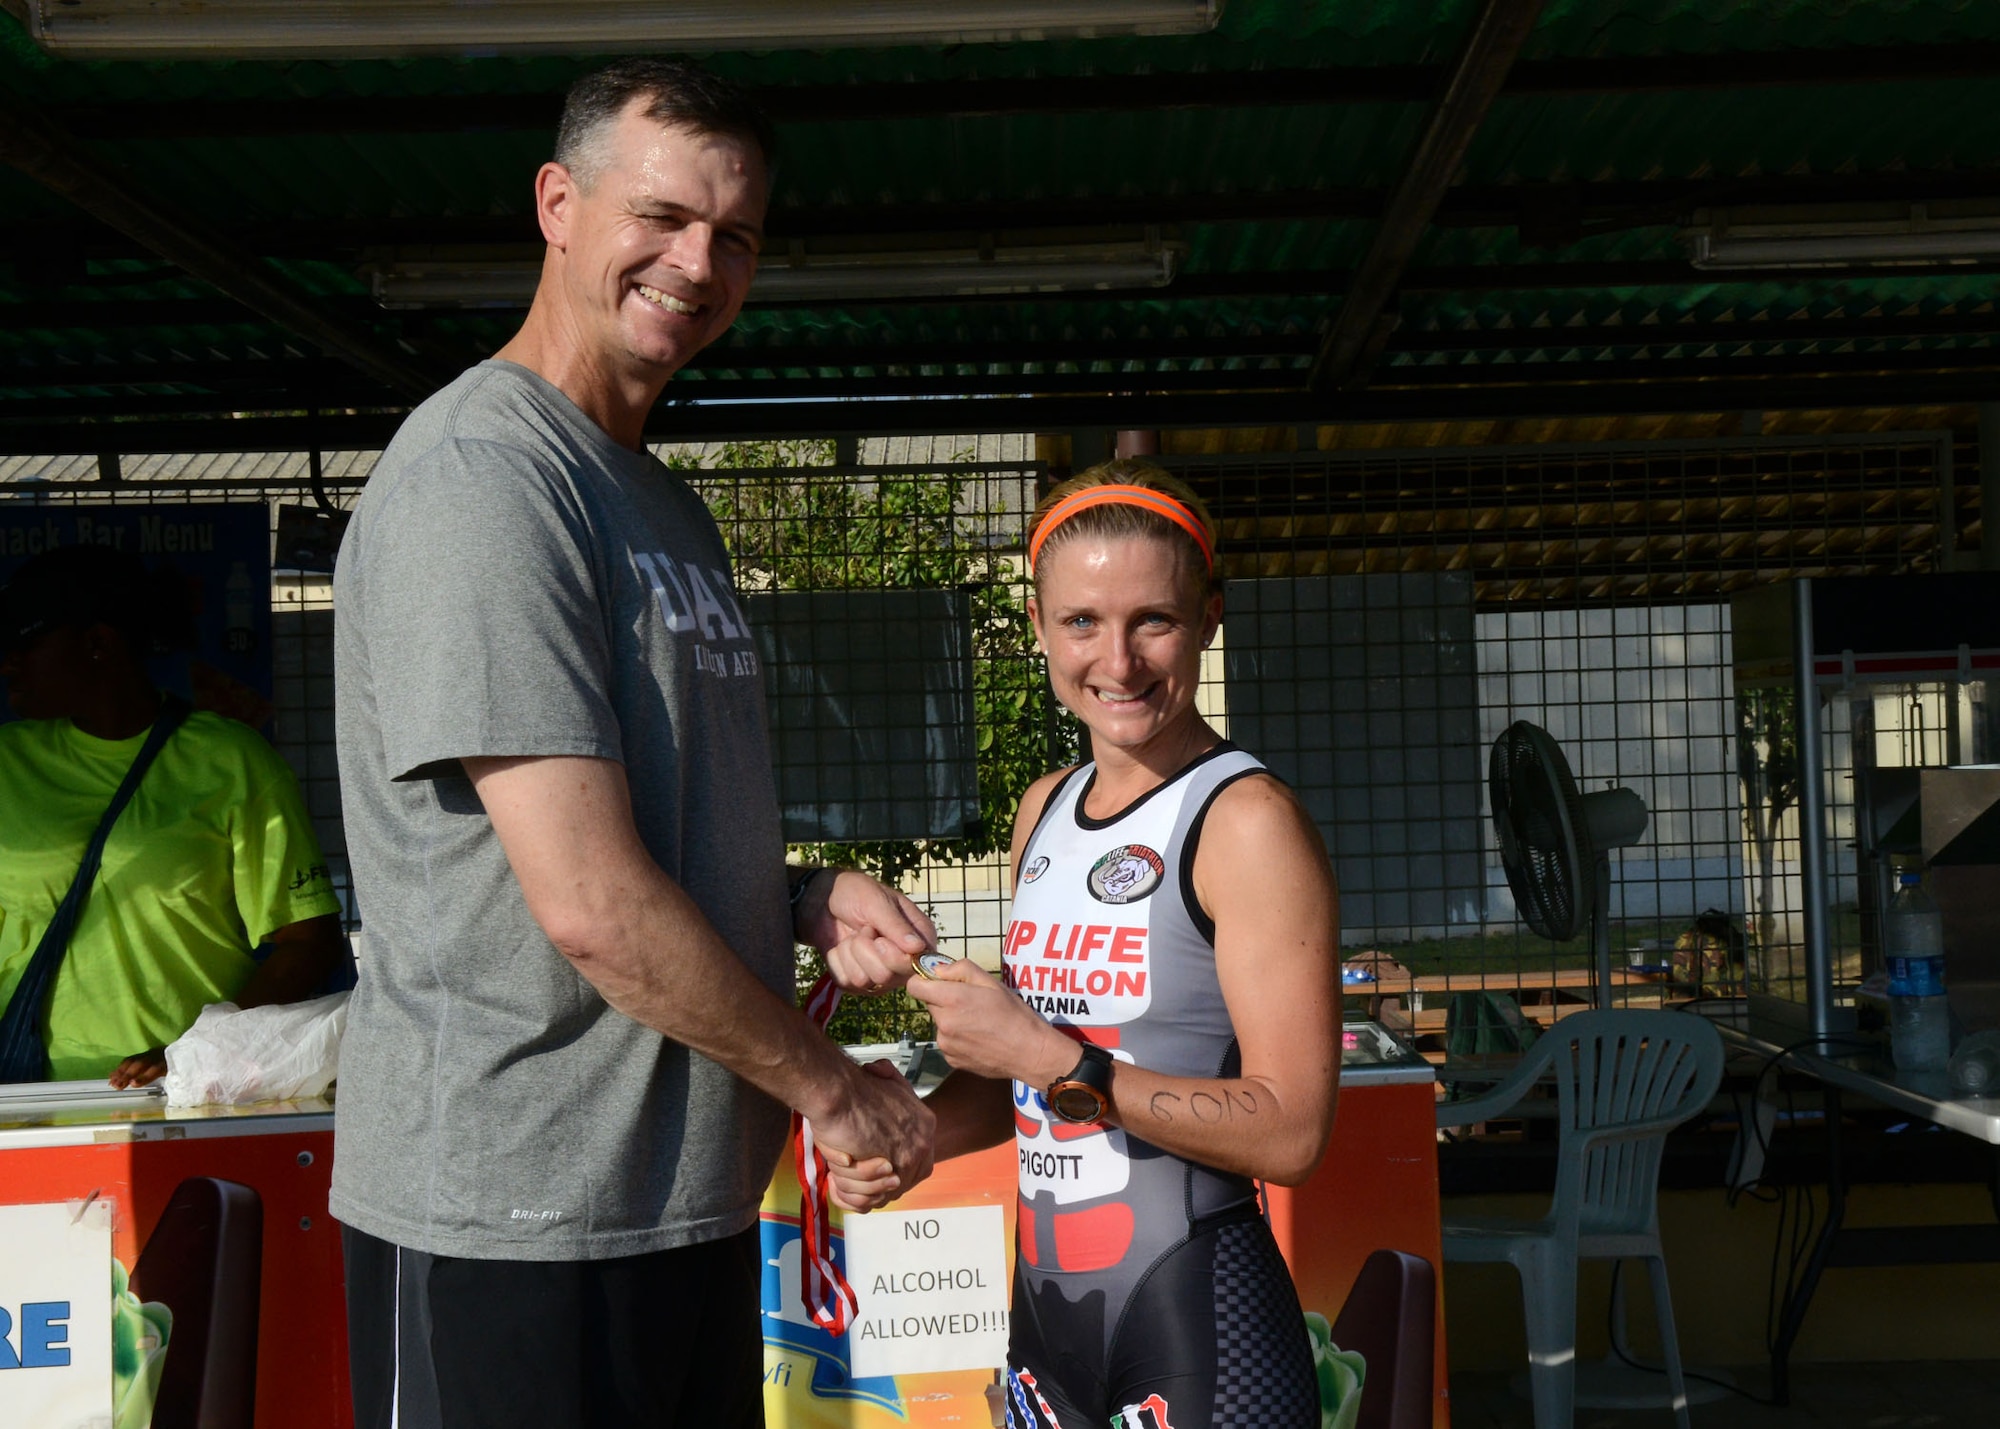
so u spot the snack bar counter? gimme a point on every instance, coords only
(127, 1156)
(84, 1146)
(1377, 1189)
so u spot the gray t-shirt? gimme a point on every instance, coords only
(516, 583)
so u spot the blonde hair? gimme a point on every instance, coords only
(1118, 518)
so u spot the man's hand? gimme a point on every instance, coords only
(868, 930)
(140, 1070)
(880, 1144)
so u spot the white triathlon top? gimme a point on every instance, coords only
(1107, 939)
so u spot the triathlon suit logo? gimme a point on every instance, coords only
(1126, 874)
(1152, 1414)
(1026, 1408)
(1035, 869)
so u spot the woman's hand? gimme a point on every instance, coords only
(140, 1070)
(869, 931)
(985, 1029)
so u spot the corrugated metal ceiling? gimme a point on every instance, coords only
(1620, 118)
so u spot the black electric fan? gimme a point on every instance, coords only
(1555, 843)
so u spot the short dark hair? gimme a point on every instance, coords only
(676, 92)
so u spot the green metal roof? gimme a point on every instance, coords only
(1269, 149)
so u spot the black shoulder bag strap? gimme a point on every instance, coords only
(22, 1056)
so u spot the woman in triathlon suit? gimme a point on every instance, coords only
(1175, 914)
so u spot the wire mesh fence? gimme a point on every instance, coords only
(1405, 607)
(1388, 614)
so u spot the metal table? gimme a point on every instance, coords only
(1843, 1066)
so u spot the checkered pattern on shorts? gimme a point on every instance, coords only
(1264, 1372)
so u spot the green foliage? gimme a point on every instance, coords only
(791, 527)
(1767, 762)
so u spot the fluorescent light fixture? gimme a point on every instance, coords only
(935, 273)
(965, 273)
(455, 284)
(1917, 241)
(277, 29)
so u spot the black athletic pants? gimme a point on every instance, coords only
(669, 1340)
(1210, 1337)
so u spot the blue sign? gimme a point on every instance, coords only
(223, 553)
(44, 1337)
(786, 1326)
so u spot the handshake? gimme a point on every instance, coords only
(878, 1139)
(881, 1142)
(882, 1113)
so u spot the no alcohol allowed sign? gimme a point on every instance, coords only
(930, 1289)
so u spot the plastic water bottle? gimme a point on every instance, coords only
(1975, 1065)
(1913, 947)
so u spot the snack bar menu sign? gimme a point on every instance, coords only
(55, 1312)
(221, 553)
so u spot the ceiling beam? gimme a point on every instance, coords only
(1290, 408)
(751, 420)
(1057, 94)
(1870, 327)
(1489, 547)
(1233, 347)
(329, 431)
(231, 405)
(1577, 580)
(1590, 207)
(1514, 376)
(256, 371)
(1595, 206)
(254, 386)
(1867, 327)
(1304, 286)
(1171, 399)
(1590, 371)
(241, 371)
(1359, 328)
(1301, 285)
(1662, 488)
(53, 159)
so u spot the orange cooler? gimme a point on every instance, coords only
(1377, 1189)
(133, 1151)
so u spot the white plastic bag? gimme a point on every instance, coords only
(232, 1057)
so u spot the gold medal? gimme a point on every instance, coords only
(929, 965)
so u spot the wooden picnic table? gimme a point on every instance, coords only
(1416, 1005)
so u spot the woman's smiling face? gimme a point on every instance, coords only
(1123, 625)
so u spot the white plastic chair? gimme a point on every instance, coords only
(1624, 1079)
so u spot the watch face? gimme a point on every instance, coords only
(1073, 1101)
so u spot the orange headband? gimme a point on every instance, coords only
(1143, 497)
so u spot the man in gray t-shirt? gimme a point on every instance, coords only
(572, 1048)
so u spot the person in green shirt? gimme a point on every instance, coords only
(212, 860)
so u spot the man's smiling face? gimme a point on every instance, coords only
(660, 247)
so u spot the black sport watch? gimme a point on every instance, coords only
(1084, 1096)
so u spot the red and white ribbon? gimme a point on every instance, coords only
(827, 1296)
